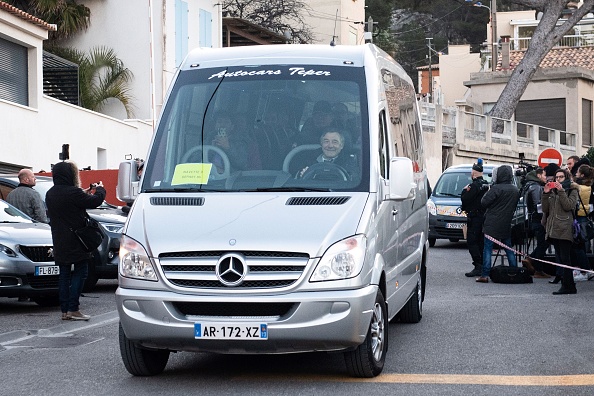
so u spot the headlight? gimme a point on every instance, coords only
(342, 260)
(113, 227)
(7, 251)
(431, 207)
(134, 261)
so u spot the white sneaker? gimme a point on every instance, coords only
(579, 277)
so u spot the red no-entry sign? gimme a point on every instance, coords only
(550, 156)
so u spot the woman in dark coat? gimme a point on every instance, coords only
(558, 204)
(66, 205)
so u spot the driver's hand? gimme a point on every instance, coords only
(303, 171)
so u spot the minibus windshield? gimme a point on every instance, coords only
(263, 128)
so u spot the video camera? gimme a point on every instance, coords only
(524, 167)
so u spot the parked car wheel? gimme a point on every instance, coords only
(454, 240)
(432, 242)
(369, 357)
(412, 312)
(141, 361)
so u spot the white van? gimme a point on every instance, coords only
(282, 209)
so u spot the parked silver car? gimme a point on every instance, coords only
(27, 267)
(105, 258)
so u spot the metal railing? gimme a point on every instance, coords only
(457, 125)
(576, 40)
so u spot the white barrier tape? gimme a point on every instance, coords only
(489, 237)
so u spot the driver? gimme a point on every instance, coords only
(332, 142)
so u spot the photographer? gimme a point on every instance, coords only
(475, 215)
(66, 204)
(535, 181)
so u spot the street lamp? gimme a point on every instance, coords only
(493, 21)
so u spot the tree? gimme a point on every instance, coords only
(69, 16)
(546, 35)
(102, 76)
(280, 16)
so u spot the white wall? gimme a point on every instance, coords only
(124, 26)
(34, 137)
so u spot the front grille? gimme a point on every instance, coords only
(38, 254)
(233, 309)
(263, 270)
(317, 200)
(177, 201)
(43, 282)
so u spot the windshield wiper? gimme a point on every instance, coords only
(183, 189)
(290, 189)
(450, 195)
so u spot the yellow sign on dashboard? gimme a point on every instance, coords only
(191, 174)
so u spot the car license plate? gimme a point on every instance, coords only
(230, 331)
(47, 270)
(455, 225)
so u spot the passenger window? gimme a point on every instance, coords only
(382, 139)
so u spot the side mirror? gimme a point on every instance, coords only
(402, 180)
(127, 188)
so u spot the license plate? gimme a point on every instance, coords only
(231, 331)
(455, 225)
(47, 270)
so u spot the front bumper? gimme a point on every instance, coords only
(438, 227)
(315, 321)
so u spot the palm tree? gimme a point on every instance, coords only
(102, 76)
(69, 16)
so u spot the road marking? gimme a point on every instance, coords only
(445, 379)
(462, 379)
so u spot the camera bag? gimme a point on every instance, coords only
(508, 274)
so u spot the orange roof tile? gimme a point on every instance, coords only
(25, 16)
(557, 57)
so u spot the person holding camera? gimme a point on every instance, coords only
(475, 215)
(535, 181)
(559, 200)
(67, 203)
(500, 203)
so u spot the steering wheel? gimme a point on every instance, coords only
(326, 171)
(206, 149)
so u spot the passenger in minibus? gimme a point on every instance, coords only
(320, 120)
(234, 142)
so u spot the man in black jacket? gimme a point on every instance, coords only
(66, 205)
(500, 203)
(475, 215)
(535, 181)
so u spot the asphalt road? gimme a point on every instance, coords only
(474, 339)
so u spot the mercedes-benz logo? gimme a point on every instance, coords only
(231, 269)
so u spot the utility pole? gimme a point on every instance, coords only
(494, 40)
(430, 69)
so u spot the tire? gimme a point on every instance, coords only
(412, 312)
(432, 242)
(91, 280)
(368, 359)
(140, 361)
(454, 240)
(47, 301)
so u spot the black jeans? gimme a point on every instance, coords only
(541, 244)
(563, 247)
(475, 239)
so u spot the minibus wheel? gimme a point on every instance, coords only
(368, 359)
(140, 361)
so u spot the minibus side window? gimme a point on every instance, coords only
(382, 140)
